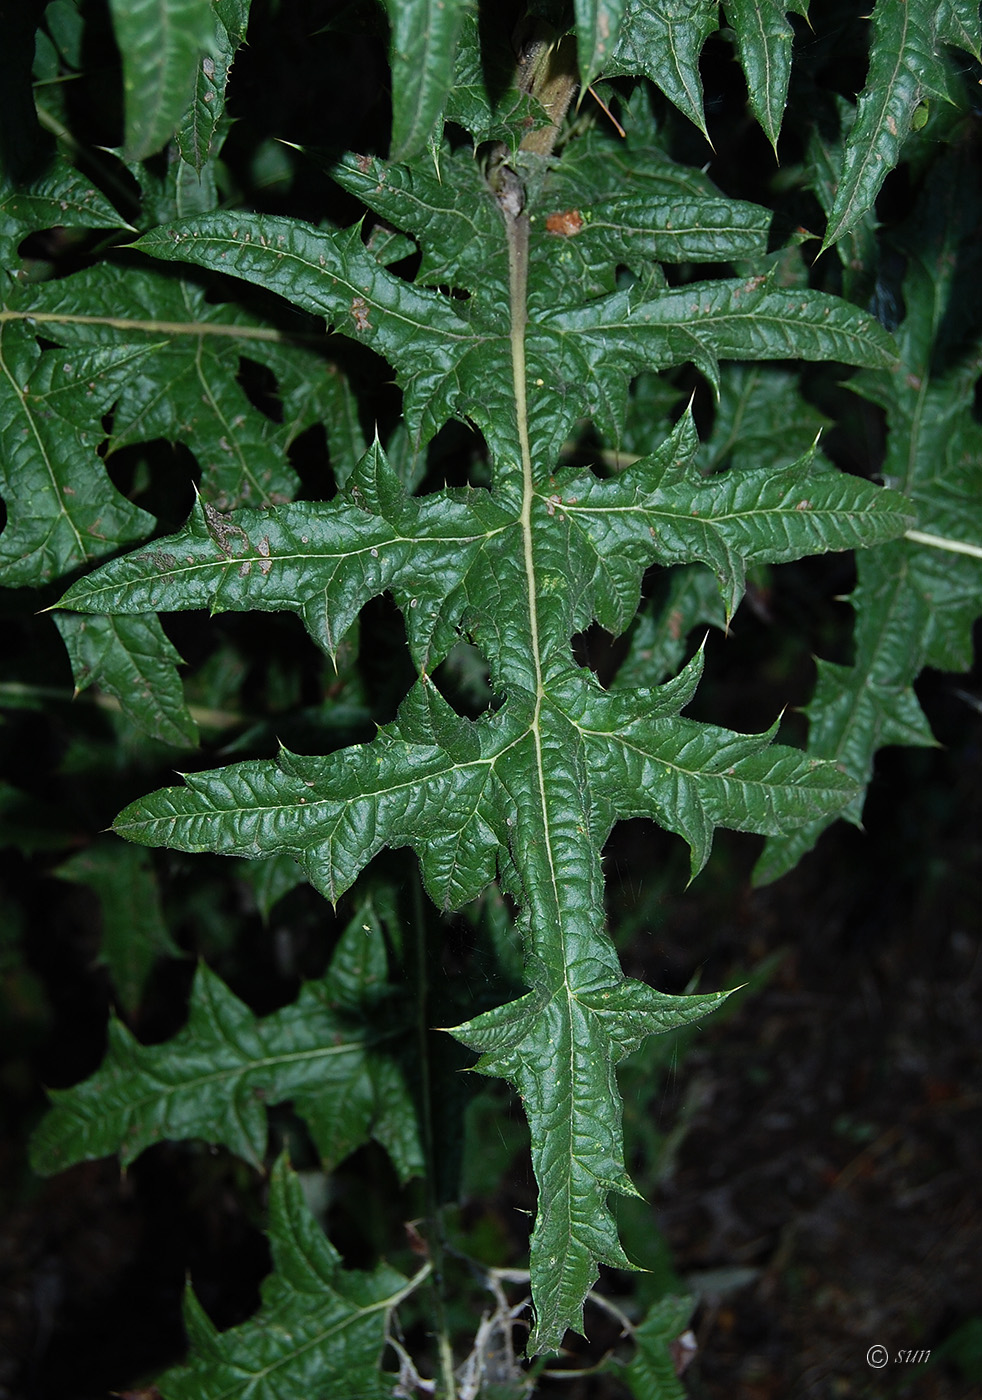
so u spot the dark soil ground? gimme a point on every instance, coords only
(833, 1146)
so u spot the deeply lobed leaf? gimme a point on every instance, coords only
(903, 65)
(916, 599)
(535, 301)
(62, 510)
(132, 660)
(321, 1329)
(331, 1052)
(161, 42)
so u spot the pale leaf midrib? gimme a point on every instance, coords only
(252, 1378)
(151, 326)
(55, 494)
(251, 1066)
(233, 563)
(518, 251)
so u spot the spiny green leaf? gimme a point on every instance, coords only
(431, 779)
(321, 1329)
(531, 789)
(637, 228)
(662, 39)
(579, 358)
(653, 1375)
(331, 1052)
(188, 391)
(695, 776)
(598, 24)
(917, 598)
(132, 659)
(658, 635)
(959, 23)
(726, 521)
(297, 557)
(560, 1051)
(483, 97)
(444, 205)
(606, 206)
(197, 128)
(423, 41)
(659, 510)
(134, 934)
(62, 510)
(60, 197)
(764, 39)
(703, 322)
(161, 42)
(334, 276)
(902, 59)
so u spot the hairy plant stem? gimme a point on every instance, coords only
(517, 225)
(434, 1221)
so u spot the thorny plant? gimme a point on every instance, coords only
(531, 261)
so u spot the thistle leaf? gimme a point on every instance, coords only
(493, 329)
(60, 196)
(423, 42)
(332, 1052)
(483, 97)
(202, 118)
(62, 510)
(321, 1329)
(902, 68)
(663, 40)
(161, 42)
(131, 659)
(916, 599)
(559, 1051)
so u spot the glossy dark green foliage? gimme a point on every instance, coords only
(605, 354)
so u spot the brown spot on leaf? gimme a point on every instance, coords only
(359, 310)
(566, 224)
